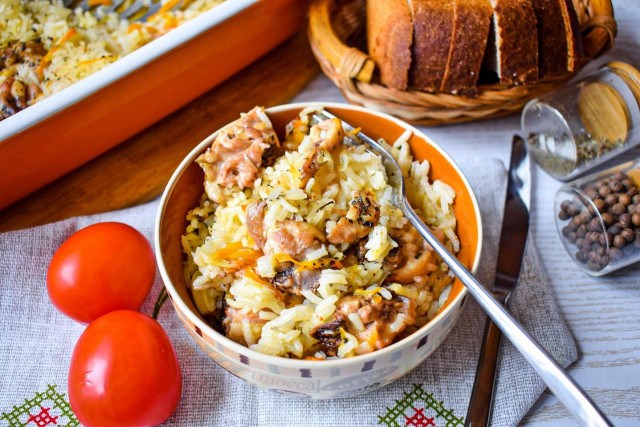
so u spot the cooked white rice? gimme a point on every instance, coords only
(287, 324)
(78, 44)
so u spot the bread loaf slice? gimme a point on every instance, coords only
(512, 49)
(389, 39)
(559, 37)
(432, 31)
(471, 22)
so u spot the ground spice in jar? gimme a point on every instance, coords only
(607, 228)
(583, 124)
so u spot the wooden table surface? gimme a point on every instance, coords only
(603, 314)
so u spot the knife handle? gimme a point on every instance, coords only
(479, 411)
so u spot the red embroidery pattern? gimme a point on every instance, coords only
(419, 420)
(43, 418)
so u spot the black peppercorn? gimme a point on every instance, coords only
(624, 199)
(615, 186)
(572, 236)
(618, 209)
(615, 253)
(635, 219)
(581, 231)
(608, 218)
(611, 199)
(628, 235)
(599, 204)
(624, 220)
(604, 190)
(563, 215)
(614, 230)
(619, 241)
(591, 193)
(605, 239)
(619, 176)
(631, 209)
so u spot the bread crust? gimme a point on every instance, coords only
(389, 39)
(558, 37)
(514, 48)
(432, 29)
(472, 19)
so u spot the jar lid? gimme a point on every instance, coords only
(629, 74)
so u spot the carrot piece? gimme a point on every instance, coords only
(99, 2)
(91, 61)
(46, 59)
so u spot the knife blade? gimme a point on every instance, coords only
(513, 238)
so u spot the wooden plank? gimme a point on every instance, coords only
(137, 170)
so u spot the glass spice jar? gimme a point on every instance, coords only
(598, 219)
(586, 123)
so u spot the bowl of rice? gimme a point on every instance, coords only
(289, 265)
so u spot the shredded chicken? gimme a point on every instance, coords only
(16, 94)
(325, 136)
(362, 216)
(294, 238)
(233, 319)
(254, 222)
(288, 278)
(328, 334)
(383, 321)
(414, 257)
(237, 153)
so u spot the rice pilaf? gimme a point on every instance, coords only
(47, 47)
(296, 250)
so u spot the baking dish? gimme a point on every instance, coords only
(71, 127)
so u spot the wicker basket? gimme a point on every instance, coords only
(337, 36)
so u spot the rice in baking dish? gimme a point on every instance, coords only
(46, 47)
(296, 250)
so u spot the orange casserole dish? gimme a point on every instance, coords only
(71, 127)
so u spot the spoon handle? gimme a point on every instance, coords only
(560, 383)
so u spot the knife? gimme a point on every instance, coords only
(513, 237)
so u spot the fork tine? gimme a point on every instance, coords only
(151, 6)
(115, 4)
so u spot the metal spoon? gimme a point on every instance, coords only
(561, 384)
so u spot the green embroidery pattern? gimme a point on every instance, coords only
(47, 408)
(406, 413)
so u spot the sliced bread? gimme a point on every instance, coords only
(389, 38)
(471, 22)
(432, 31)
(512, 49)
(558, 37)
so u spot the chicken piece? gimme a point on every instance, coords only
(383, 321)
(414, 257)
(233, 320)
(295, 282)
(15, 94)
(237, 153)
(329, 336)
(254, 222)
(362, 216)
(294, 238)
(355, 254)
(29, 52)
(325, 136)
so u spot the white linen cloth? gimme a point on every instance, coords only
(36, 343)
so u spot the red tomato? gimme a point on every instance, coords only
(104, 267)
(124, 372)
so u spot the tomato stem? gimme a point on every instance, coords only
(161, 299)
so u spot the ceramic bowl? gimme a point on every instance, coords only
(323, 379)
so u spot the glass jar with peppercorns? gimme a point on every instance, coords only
(579, 126)
(598, 219)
